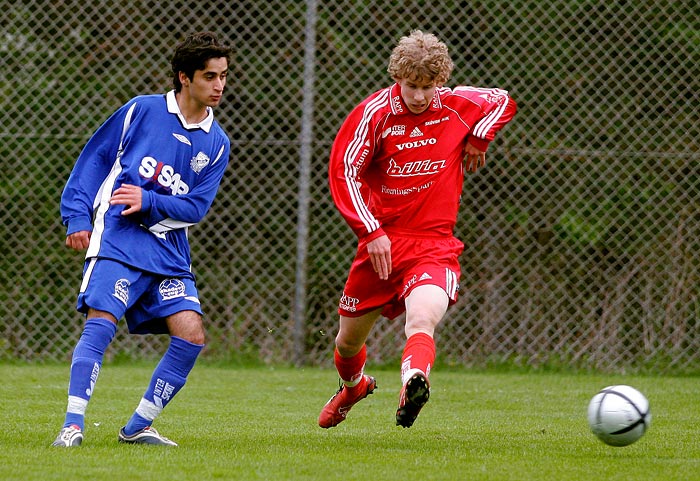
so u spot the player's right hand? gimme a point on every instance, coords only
(79, 240)
(379, 251)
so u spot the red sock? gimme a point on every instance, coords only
(419, 353)
(350, 369)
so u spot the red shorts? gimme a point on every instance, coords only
(415, 262)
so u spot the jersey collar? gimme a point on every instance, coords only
(174, 108)
(398, 106)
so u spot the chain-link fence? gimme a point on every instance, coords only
(582, 233)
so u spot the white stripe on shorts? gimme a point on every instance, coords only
(86, 276)
(451, 285)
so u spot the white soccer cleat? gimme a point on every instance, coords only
(147, 435)
(69, 437)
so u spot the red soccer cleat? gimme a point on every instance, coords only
(337, 407)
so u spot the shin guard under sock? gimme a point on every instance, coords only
(419, 354)
(85, 367)
(350, 369)
(168, 378)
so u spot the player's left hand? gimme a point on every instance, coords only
(129, 195)
(473, 158)
(79, 240)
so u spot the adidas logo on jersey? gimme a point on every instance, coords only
(416, 133)
(425, 276)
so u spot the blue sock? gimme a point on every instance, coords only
(85, 367)
(168, 378)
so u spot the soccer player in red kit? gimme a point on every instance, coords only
(396, 172)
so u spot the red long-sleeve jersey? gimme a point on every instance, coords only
(394, 171)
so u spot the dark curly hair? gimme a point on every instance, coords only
(193, 52)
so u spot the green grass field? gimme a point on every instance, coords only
(260, 424)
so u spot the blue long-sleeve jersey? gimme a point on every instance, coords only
(179, 166)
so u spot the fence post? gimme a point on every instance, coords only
(305, 153)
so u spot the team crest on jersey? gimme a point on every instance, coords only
(171, 289)
(121, 290)
(199, 161)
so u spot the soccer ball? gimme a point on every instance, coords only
(619, 415)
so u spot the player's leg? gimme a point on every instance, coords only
(432, 284)
(101, 283)
(86, 363)
(425, 307)
(363, 299)
(349, 356)
(350, 352)
(170, 375)
(350, 344)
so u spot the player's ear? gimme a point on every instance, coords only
(184, 80)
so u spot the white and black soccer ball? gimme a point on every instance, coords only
(619, 415)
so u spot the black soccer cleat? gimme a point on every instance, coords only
(414, 395)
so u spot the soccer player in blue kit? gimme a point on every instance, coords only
(147, 174)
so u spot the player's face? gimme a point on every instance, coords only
(207, 85)
(417, 94)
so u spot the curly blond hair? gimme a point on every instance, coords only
(420, 56)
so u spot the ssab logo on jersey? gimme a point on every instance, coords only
(163, 175)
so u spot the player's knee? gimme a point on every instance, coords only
(348, 347)
(424, 324)
(198, 338)
(196, 333)
(188, 326)
(192, 336)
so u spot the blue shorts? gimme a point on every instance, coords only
(144, 299)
